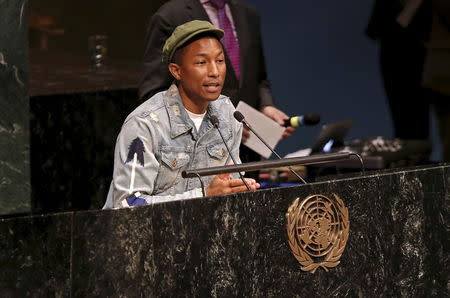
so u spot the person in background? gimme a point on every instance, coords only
(172, 131)
(436, 75)
(404, 29)
(401, 27)
(246, 79)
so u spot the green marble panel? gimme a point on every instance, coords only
(237, 245)
(14, 115)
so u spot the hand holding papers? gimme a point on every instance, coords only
(268, 129)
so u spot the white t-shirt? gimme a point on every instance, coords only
(196, 118)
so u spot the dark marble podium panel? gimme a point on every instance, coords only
(75, 116)
(72, 147)
(236, 245)
(14, 134)
(35, 256)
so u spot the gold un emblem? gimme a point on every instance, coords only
(317, 229)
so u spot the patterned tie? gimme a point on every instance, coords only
(229, 39)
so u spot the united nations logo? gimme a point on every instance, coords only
(318, 229)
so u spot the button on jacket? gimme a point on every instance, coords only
(158, 141)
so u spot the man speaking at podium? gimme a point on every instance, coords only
(172, 131)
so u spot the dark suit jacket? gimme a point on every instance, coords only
(383, 22)
(253, 86)
(437, 61)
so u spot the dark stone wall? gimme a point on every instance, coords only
(14, 134)
(75, 117)
(72, 147)
(236, 245)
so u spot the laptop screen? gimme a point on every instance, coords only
(331, 135)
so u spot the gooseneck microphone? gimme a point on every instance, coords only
(215, 122)
(239, 117)
(303, 120)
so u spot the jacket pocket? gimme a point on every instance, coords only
(172, 163)
(217, 154)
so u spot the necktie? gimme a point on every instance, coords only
(229, 40)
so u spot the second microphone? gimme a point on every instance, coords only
(303, 120)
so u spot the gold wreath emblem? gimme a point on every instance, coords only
(317, 229)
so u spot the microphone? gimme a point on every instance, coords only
(215, 122)
(239, 117)
(303, 120)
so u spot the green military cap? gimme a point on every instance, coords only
(185, 32)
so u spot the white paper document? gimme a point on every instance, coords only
(266, 128)
(299, 153)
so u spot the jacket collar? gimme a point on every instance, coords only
(178, 117)
(180, 122)
(195, 10)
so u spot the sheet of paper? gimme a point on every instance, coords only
(266, 128)
(299, 153)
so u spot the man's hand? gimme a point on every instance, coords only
(245, 134)
(278, 116)
(224, 184)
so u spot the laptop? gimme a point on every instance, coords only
(331, 136)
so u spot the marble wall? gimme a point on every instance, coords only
(72, 147)
(75, 117)
(14, 115)
(236, 245)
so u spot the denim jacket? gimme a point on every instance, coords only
(158, 141)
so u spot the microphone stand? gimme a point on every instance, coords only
(201, 183)
(276, 154)
(215, 122)
(268, 164)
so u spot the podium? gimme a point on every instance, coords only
(237, 245)
(75, 117)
